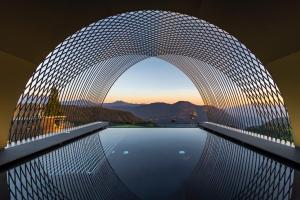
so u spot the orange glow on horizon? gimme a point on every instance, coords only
(170, 99)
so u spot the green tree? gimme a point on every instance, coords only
(53, 107)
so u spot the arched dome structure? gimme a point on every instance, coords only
(236, 88)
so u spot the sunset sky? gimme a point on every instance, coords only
(153, 80)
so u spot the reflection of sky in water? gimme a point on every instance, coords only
(154, 163)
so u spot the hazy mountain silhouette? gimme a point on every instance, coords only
(121, 105)
(81, 103)
(179, 112)
(96, 113)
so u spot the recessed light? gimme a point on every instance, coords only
(181, 152)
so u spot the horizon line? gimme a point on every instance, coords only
(152, 102)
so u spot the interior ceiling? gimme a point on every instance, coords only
(30, 30)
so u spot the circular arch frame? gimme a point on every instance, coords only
(236, 88)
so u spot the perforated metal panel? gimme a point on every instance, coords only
(236, 88)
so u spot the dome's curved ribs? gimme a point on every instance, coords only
(101, 79)
(259, 177)
(191, 72)
(199, 68)
(213, 81)
(130, 64)
(84, 173)
(198, 74)
(201, 86)
(31, 181)
(100, 51)
(220, 118)
(234, 99)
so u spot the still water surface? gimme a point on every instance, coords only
(152, 163)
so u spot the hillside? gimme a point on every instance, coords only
(180, 112)
(79, 115)
(121, 105)
(281, 131)
(221, 116)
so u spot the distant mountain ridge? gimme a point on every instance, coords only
(179, 112)
(120, 105)
(97, 113)
(80, 102)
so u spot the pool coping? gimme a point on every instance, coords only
(15, 154)
(281, 151)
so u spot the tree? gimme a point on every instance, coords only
(53, 107)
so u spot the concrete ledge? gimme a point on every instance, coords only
(287, 153)
(15, 154)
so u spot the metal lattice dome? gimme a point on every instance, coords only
(235, 87)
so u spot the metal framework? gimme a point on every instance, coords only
(236, 88)
(81, 170)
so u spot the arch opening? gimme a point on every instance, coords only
(153, 80)
(236, 89)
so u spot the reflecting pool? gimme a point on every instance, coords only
(151, 164)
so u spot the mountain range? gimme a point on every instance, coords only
(82, 115)
(163, 113)
(179, 112)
